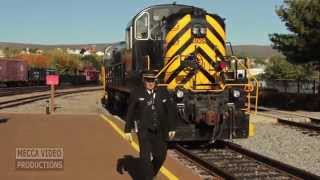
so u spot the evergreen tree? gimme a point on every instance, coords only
(279, 68)
(302, 18)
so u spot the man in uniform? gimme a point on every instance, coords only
(151, 115)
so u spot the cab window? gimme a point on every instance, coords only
(141, 26)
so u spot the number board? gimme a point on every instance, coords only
(199, 40)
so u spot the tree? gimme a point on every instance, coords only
(302, 18)
(92, 60)
(279, 68)
(36, 60)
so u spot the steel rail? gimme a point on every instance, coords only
(308, 126)
(273, 163)
(262, 163)
(30, 99)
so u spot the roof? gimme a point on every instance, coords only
(161, 6)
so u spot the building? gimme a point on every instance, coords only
(73, 51)
(1, 53)
(100, 53)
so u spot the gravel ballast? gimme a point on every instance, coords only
(285, 144)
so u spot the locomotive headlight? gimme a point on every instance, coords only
(203, 30)
(180, 93)
(236, 93)
(196, 30)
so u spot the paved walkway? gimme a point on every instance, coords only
(92, 148)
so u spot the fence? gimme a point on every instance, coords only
(292, 86)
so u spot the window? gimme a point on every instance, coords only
(130, 37)
(127, 39)
(141, 26)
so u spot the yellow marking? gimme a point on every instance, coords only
(135, 146)
(178, 27)
(214, 40)
(179, 43)
(251, 129)
(216, 26)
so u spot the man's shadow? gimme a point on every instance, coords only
(132, 165)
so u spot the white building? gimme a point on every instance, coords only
(73, 51)
(99, 53)
(250, 72)
(1, 53)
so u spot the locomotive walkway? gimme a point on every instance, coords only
(93, 148)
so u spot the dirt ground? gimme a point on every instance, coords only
(78, 103)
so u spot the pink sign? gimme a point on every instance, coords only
(52, 80)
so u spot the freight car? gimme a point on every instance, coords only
(13, 72)
(16, 72)
(186, 47)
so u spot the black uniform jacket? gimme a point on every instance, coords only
(163, 105)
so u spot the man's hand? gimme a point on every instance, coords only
(171, 134)
(128, 137)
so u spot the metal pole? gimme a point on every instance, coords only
(257, 96)
(52, 98)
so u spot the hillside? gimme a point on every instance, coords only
(99, 46)
(257, 51)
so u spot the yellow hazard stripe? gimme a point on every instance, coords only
(210, 52)
(179, 43)
(216, 26)
(176, 62)
(216, 42)
(206, 65)
(178, 27)
(175, 65)
(135, 146)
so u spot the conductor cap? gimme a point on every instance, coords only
(149, 76)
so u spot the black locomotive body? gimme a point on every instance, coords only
(186, 46)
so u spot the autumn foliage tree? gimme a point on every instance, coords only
(35, 60)
(64, 63)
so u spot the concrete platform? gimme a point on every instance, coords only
(93, 149)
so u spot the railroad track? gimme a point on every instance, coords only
(310, 128)
(307, 124)
(32, 89)
(22, 90)
(285, 115)
(30, 99)
(230, 161)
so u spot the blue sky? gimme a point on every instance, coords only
(100, 21)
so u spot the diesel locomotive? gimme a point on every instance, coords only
(186, 47)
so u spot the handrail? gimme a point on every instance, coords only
(166, 66)
(257, 85)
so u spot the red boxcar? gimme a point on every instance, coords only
(91, 74)
(13, 70)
